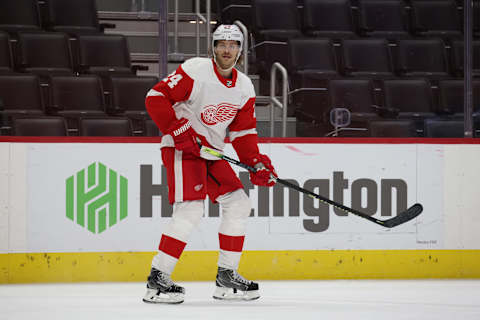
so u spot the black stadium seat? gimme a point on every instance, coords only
(128, 99)
(436, 18)
(75, 17)
(104, 55)
(231, 10)
(21, 95)
(383, 19)
(105, 127)
(356, 95)
(41, 126)
(457, 57)
(438, 128)
(6, 63)
(451, 97)
(311, 60)
(412, 98)
(311, 63)
(422, 58)
(19, 16)
(77, 96)
(275, 21)
(392, 128)
(367, 58)
(328, 18)
(128, 95)
(46, 53)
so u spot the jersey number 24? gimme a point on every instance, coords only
(173, 79)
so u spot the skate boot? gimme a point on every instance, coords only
(161, 289)
(232, 286)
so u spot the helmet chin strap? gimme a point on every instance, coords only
(228, 69)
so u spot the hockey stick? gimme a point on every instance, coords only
(399, 219)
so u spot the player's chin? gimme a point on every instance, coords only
(227, 65)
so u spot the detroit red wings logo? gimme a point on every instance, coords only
(220, 113)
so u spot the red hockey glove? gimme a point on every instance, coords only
(264, 167)
(184, 137)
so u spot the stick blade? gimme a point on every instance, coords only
(404, 216)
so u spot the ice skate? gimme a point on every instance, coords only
(161, 289)
(230, 285)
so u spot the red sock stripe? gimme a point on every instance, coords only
(171, 246)
(231, 243)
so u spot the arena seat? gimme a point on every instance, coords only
(438, 128)
(451, 97)
(75, 97)
(104, 55)
(356, 95)
(128, 95)
(367, 58)
(128, 99)
(45, 53)
(19, 16)
(436, 18)
(21, 94)
(383, 19)
(328, 19)
(422, 58)
(311, 62)
(231, 10)
(75, 17)
(274, 22)
(105, 127)
(41, 126)
(457, 57)
(392, 128)
(412, 97)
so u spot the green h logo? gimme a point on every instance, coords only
(98, 194)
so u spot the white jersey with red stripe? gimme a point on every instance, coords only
(214, 105)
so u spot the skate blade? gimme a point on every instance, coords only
(230, 294)
(153, 296)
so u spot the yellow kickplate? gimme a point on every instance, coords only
(274, 265)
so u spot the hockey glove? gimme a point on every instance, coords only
(265, 170)
(184, 137)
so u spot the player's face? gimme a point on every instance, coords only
(226, 52)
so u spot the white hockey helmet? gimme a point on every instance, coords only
(228, 32)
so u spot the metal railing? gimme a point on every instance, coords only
(175, 55)
(274, 102)
(206, 20)
(245, 45)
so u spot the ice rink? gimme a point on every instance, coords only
(337, 299)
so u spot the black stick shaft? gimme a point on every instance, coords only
(401, 218)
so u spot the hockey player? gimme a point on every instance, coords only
(200, 101)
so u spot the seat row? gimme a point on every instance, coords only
(75, 17)
(413, 99)
(375, 58)
(52, 53)
(74, 97)
(91, 127)
(398, 128)
(339, 19)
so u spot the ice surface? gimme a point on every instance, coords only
(292, 300)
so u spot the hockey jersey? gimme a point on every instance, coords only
(214, 105)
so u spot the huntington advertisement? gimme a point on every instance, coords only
(113, 197)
